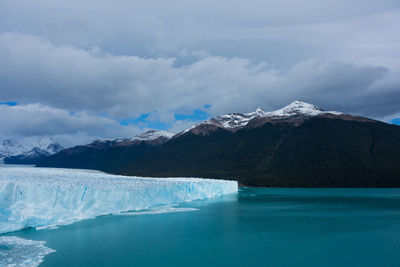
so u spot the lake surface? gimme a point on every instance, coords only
(256, 227)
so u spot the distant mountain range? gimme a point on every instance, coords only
(12, 152)
(300, 145)
(107, 155)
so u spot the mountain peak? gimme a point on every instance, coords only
(301, 104)
(298, 107)
(259, 109)
(12, 151)
(236, 121)
(152, 135)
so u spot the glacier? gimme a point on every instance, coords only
(37, 197)
(16, 251)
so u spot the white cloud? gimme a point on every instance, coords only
(156, 28)
(34, 70)
(35, 120)
(91, 82)
(127, 58)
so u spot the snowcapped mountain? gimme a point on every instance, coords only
(32, 156)
(106, 154)
(12, 151)
(299, 108)
(152, 135)
(235, 121)
(299, 145)
(53, 148)
(10, 147)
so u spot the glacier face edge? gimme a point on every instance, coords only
(32, 197)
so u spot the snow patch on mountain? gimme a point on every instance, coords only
(42, 146)
(146, 136)
(239, 120)
(152, 135)
(298, 108)
(10, 147)
(35, 152)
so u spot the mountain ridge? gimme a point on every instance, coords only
(94, 151)
(12, 152)
(299, 145)
(235, 121)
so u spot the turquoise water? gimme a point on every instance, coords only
(256, 227)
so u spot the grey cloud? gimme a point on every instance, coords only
(39, 120)
(35, 70)
(151, 28)
(125, 58)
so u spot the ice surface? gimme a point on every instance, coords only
(16, 251)
(159, 210)
(31, 197)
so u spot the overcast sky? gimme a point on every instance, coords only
(78, 70)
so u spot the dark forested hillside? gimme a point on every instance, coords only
(315, 152)
(320, 152)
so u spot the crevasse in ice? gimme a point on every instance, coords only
(31, 197)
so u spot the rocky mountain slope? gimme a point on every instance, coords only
(107, 155)
(299, 145)
(13, 152)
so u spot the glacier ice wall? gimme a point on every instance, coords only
(31, 197)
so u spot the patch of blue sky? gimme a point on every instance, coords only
(396, 121)
(135, 121)
(9, 103)
(197, 115)
(143, 120)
